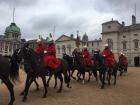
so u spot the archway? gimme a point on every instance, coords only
(137, 61)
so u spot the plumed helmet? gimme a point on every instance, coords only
(106, 45)
(38, 40)
(85, 46)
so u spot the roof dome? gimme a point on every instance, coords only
(13, 28)
(85, 38)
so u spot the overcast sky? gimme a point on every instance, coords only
(36, 17)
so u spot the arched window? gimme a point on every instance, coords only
(110, 43)
(136, 43)
(58, 49)
(124, 45)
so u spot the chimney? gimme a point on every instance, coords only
(133, 20)
(123, 23)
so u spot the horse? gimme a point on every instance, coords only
(72, 64)
(19, 62)
(122, 68)
(9, 70)
(99, 66)
(82, 68)
(104, 71)
(34, 68)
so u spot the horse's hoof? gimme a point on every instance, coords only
(54, 87)
(102, 87)
(22, 93)
(10, 103)
(83, 82)
(59, 91)
(37, 89)
(24, 99)
(44, 96)
(47, 85)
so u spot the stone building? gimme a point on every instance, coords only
(66, 44)
(123, 38)
(11, 40)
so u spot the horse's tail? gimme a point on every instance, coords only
(14, 70)
(65, 71)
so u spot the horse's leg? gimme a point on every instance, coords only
(83, 80)
(27, 80)
(89, 76)
(45, 86)
(115, 75)
(27, 88)
(109, 76)
(103, 78)
(37, 85)
(49, 80)
(72, 74)
(55, 76)
(95, 74)
(61, 81)
(79, 76)
(9, 85)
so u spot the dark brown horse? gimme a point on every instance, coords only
(35, 68)
(9, 70)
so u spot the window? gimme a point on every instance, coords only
(124, 45)
(6, 48)
(58, 49)
(109, 27)
(10, 47)
(87, 43)
(69, 49)
(63, 49)
(110, 43)
(135, 34)
(136, 43)
(97, 43)
(92, 43)
(124, 36)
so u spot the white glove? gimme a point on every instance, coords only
(45, 51)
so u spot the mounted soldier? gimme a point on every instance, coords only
(50, 59)
(86, 55)
(109, 56)
(123, 62)
(40, 48)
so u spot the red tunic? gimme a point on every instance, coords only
(123, 60)
(50, 59)
(110, 59)
(87, 57)
(40, 49)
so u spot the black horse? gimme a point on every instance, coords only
(122, 68)
(71, 64)
(105, 72)
(34, 68)
(99, 66)
(9, 70)
(82, 68)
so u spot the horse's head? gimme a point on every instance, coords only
(65, 56)
(24, 53)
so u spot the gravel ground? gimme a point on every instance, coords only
(126, 92)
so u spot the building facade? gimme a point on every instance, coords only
(119, 37)
(123, 38)
(11, 40)
(66, 44)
